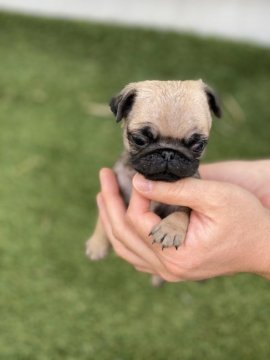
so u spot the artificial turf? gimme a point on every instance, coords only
(54, 303)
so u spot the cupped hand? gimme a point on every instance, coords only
(228, 231)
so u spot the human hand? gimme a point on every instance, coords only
(254, 176)
(228, 231)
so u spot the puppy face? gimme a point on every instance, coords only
(166, 126)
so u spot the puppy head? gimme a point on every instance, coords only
(166, 126)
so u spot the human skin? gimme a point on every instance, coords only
(229, 230)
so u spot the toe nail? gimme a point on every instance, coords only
(163, 237)
(154, 230)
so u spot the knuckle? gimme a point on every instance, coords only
(220, 197)
(116, 233)
(118, 250)
(174, 270)
(169, 277)
(129, 217)
(175, 190)
(226, 193)
(139, 268)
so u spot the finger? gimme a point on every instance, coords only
(229, 171)
(121, 229)
(119, 248)
(239, 173)
(122, 232)
(140, 216)
(212, 171)
(144, 221)
(200, 195)
(144, 270)
(114, 203)
(139, 202)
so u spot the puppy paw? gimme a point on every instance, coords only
(167, 235)
(96, 248)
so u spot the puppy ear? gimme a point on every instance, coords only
(121, 104)
(213, 101)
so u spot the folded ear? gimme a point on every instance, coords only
(213, 101)
(121, 104)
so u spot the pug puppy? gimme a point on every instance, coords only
(166, 126)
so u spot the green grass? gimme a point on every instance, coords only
(54, 303)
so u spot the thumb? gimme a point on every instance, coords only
(197, 194)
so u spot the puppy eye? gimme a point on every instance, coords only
(147, 132)
(199, 146)
(139, 140)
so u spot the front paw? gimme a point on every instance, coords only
(167, 235)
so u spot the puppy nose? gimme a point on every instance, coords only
(167, 154)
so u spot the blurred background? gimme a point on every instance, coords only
(60, 62)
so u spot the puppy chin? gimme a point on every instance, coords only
(154, 167)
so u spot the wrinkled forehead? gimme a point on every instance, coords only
(172, 113)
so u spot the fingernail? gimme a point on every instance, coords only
(142, 184)
(102, 174)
